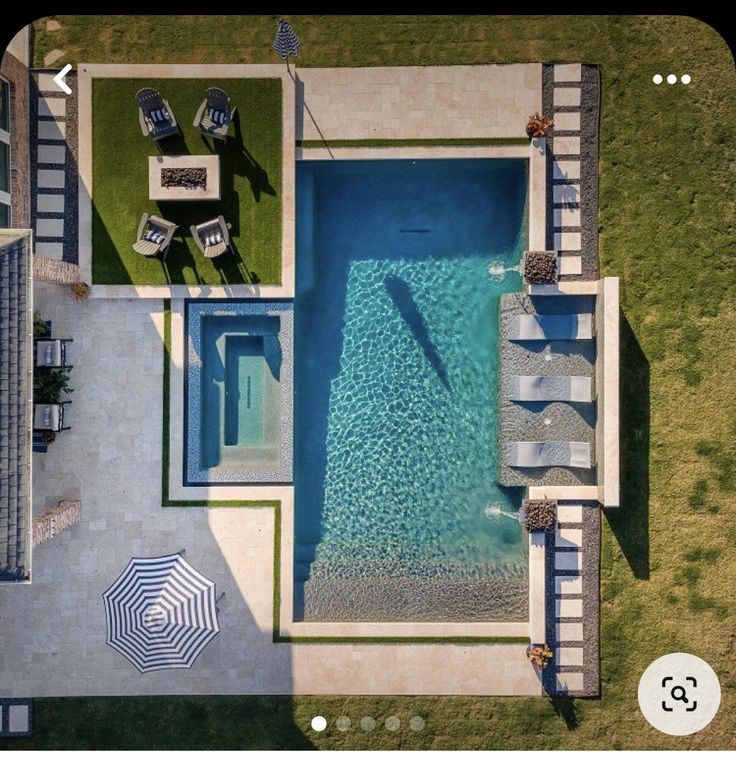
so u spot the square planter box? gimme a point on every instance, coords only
(541, 267)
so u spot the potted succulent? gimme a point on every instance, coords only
(80, 291)
(540, 267)
(539, 514)
(538, 126)
(540, 655)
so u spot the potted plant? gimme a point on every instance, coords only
(540, 655)
(49, 383)
(540, 267)
(538, 126)
(39, 325)
(539, 514)
(80, 291)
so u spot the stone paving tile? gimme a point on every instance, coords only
(55, 130)
(569, 681)
(566, 193)
(567, 240)
(567, 121)
(52, 106)
(569, 631)
(568, 72)
(566, 217)
(568, 584)
(565, 169)
(49, 203)
(567, 146)
(50, 178)
(53, 250)
(569, 608)
(568, 560)
(51, 153)
(46, 83)
(571, 265)
(50, 227)
(569, 537)
(569, 656)
(566, 96)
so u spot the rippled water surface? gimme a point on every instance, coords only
(399, 268)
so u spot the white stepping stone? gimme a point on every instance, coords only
(567, 96)
(52, 25)
(569, 656)
(52, 130)
(51, 57)
(567, 217)
(49, 203)
(568, 584)
(51, 153)
(566, 169)
(46, 83)
(568, 608)
(568, 560)
(569, 513)
(50, 179)
(568, 72)
(52, 106)
(569, 537)
(569, 631)
(567, 121)
(566, 193)
(571, 265)
(54, 250)
(567, 146)
(567, 240)
(569, 681)
(50, 227)
(18, 718)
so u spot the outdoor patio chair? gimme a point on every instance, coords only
(154, 236)
(212, 237)
(551, 389)
(215, 114)
(536, 327)
(51, 353)
(155, 115)
(50, 417)
(548, 454)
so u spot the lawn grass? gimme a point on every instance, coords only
(250, 176)
(667, 217)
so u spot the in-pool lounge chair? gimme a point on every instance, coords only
(548, 454)
(550, 327)
(212, 237)
(551, 389)
(154, 236)
(215, 114)
(155, 115)
(51, 353)
(50, 417)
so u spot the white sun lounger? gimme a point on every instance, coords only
(548, 454)
(551, 389)
(550, 327)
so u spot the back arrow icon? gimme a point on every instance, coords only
(59, 79)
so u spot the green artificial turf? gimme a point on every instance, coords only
(250, 175)
(667, 221)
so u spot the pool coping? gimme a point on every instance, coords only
(86, 72)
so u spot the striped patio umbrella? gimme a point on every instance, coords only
(161, 613)
(286, 42)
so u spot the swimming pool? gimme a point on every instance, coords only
(239, 392)
(398, 515)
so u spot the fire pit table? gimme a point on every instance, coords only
(184, 177)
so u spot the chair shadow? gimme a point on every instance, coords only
(630, 522)
(240, 161)
(400, 294)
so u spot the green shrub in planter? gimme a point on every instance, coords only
(49, 383)
(539, 514)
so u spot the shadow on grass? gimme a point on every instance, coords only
(242, 163)
(630, 522)
(565, 709)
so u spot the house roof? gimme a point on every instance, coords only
(16, 376)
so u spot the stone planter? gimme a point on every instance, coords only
(539, 514)
(541, 267)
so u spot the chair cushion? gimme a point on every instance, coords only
(154, 236)
(217, 117)
(213, 239)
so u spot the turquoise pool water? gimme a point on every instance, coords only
(398, 515)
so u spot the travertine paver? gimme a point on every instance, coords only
(567, 146)
(568, 513)
(569, 656)
(571, 265)
(51, 153)
(568, 585)
(111, 460)
(50, 178)
(50, 227)
(567, 121)
(52, 56)
(566, 216)
(566, 169)
(569, 608)
(51, 106)
(49, 203)
(55, 130)
(18, 719)
(568, 560)
(46, 82)
(568, 72)
(569, 681)
(566, 193)
(567, 240)
(53, 250)
(569, 631)
(567, 96)
(569, 537)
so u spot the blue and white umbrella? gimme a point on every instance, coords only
(161, 613)
(286, 42)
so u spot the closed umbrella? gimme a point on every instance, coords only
(286, 42)
(161, 613)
